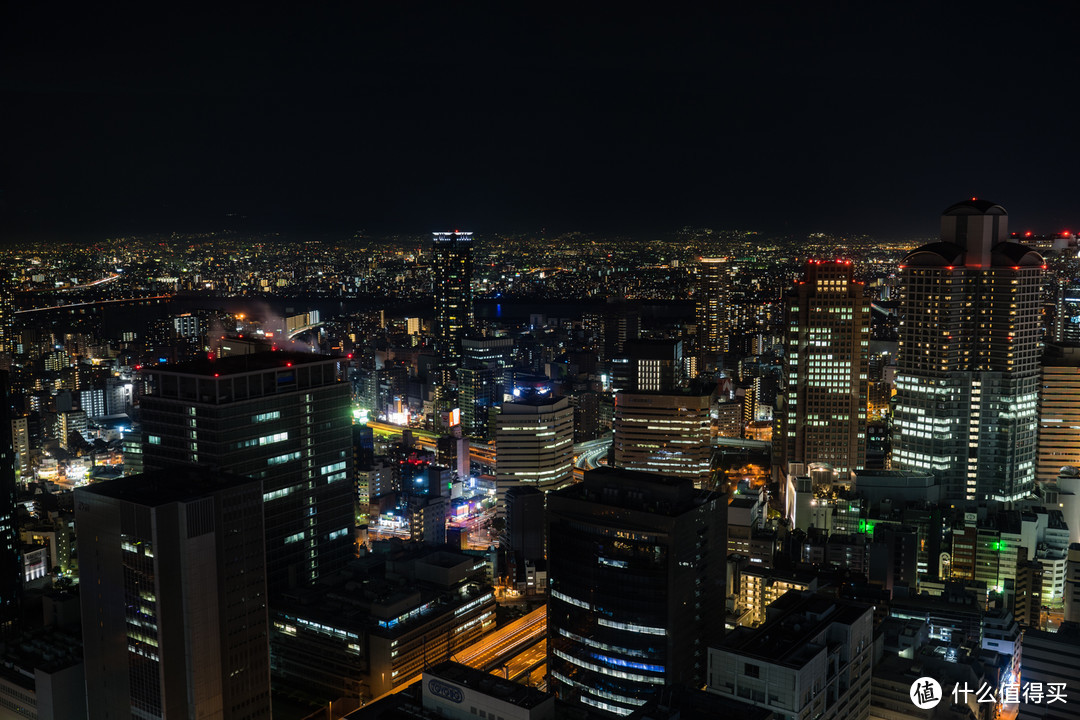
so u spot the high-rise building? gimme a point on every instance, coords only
(1067, 320)
(7, 315)
(655, 365)
(1071, 595)
(1051, 660)
(666, 433)
(11, 570)
(712, 300)
(968, 369)
(534, 444)
(279, 417)
(823, 416)
(174, 603)
(480, 381)
(811, 658)
(1059, 411)
(452, 268)
(637, 570)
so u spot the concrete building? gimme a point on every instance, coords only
(1059, 411)
(41, 676)
(280, 417)
(173, 577)
(811, 658)
(823, 413)
(11, 565)
(636, 569)
(664, 433)
(968, 368)
(534, 444)
(1051, 659)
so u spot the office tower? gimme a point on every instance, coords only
(1051, 659)
(534, 444)
(279, 417)
(823, 416)
(173, 576)
(655, 365)
(1059, 411)
(968, 369)
(612, 327)
(1071, 595)
(636, 565)
(11, 569)
(811, 658)
(1067, 320)
(480, 380)
(7, 315)
(666, 433)
(1027, 602)
(20, 440)
(1063, 493)
(525, 524)
(452, 270)
(712, 299)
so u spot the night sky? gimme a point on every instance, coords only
(861, 117)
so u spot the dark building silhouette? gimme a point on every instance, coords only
(637, 572)
(174, 601)
(452, 268)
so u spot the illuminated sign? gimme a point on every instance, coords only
(455, 417)
(445, 691)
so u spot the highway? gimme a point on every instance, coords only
(498, 648)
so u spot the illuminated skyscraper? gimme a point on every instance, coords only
(10, 560)
(534, 444)
(636, 566)
(968, 369)
(453, 271)
(665, 433)
(281, 417)
(7, 315)
(712, 297)
(823, 415)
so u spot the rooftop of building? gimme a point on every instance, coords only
(793, 621)
(161, 487)
(975, 206)
(241, 364)
(516, 694)
(48, 649)
(640, 491)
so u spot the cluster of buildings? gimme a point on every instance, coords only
(621, 511)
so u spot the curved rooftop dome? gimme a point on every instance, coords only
(975, 206)
(1011, 253)
(936, 255)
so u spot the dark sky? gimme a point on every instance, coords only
(401, 117)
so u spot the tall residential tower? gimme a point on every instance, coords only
(968, 369)
(712, 311)
(452, 288)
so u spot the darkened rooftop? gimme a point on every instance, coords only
(239, 364)
(161, 487)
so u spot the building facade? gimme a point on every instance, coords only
(174, 600)
(823, 420)
(279, 417)
(534, 445)
(713, 311)
(968, 368)
(452, 271)
(636, 569)
(665, 433)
